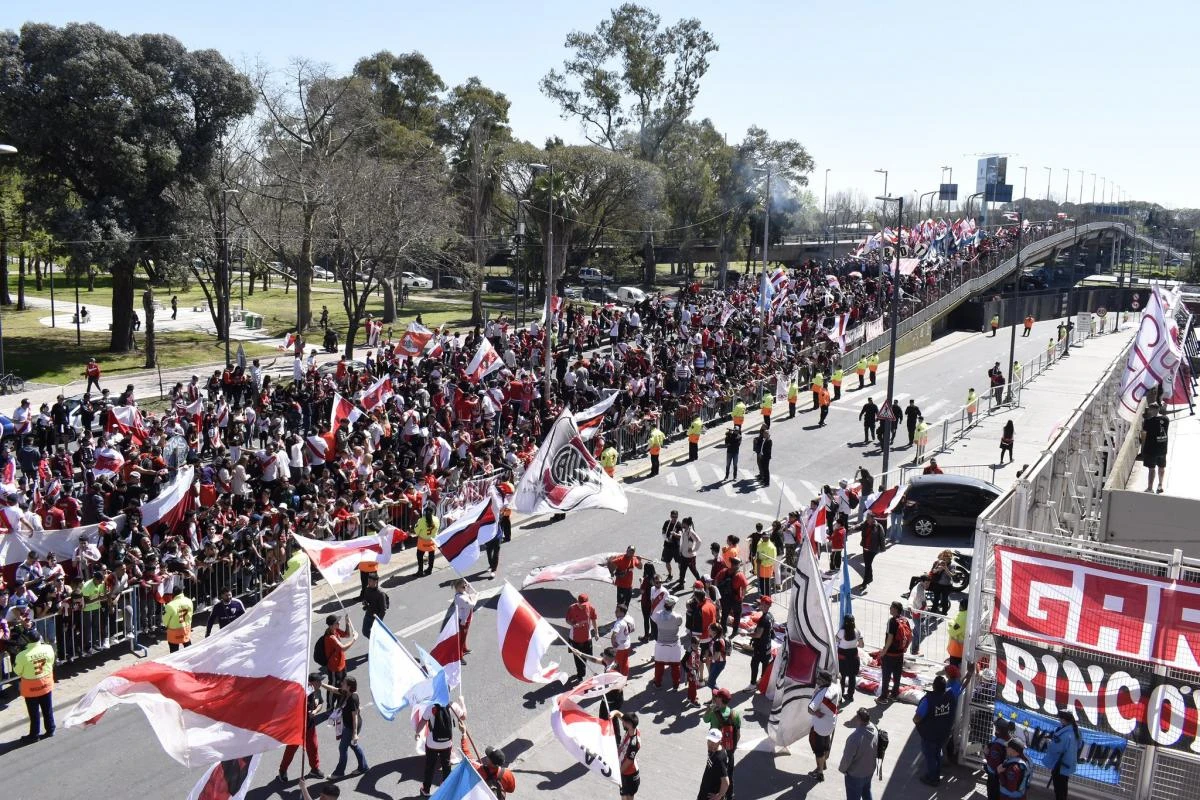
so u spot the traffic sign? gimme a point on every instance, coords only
(1136, 304)
(885, 413)
(1101, 312)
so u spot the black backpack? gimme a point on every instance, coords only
(319, 655)
(881, 743)
(442, 726)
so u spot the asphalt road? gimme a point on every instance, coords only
(120, 755)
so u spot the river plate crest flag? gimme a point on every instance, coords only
(808, 649)
(564, 476)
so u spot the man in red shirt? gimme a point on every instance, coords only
(581, 617)
(732, 584)
(623, 570)
(92, 372)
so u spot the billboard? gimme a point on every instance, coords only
(991, 171)
(947, 192)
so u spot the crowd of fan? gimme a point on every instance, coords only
(259, 479)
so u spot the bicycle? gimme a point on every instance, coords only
(11, 383)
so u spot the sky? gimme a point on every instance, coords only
(1101, 86)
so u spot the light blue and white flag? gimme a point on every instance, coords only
(392, 672)
(464, 783)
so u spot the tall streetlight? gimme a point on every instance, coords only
(766, 227)
(1012, 342)
(1093, 192)
(886, 447)
(1049, 175)
(1024, 184)
(884, 173)
(9, 150)
(549, 280)
(825, 209)
(951, 180)
(1081, 188)
(227, 316)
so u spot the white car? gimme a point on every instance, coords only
(630, 295)
(412, 280)
(322, 274)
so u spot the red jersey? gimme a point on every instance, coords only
(581, 617)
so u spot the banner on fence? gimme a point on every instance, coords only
(874, 328)
(1100, 759)
(1054, 600)
(1135, 706)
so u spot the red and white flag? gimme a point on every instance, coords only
(226, 780)
(108, 462)
(591, 419)
(238, 692)
(127, 421)
(342, 409)
(448, 647)
(478, 524)
(377, 393)
(412, 342)
(819, 525)
(588, 739)
(485, 362)
(588, 568)
(338, 561)
(1155, 354)
(525, 637)
(172, 502)
(564, 476)
(881, 504)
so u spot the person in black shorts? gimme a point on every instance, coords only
(1154, 446)
(629, 742)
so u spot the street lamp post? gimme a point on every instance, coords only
(1024, 184)
(549, 281)
(1012, 342)
(766, 228)
(951, 180)
(884, 173)
(1081, 188)
(886, 446)
(9, 150)
(227, 316)
(1067, 188)
(1049, 175)
(1093, 193)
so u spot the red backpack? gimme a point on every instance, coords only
(903, 635)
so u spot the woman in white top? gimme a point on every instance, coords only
(849, 642)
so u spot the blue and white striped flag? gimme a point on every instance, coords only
(464, 783)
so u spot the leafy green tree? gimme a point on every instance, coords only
(406, 88)
(108, 126)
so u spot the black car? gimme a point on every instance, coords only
(451, 282)
(501, 286)
(937, 503)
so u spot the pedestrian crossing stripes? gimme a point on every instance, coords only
(706, 477)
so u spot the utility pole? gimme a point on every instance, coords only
(886, 447)
(1012, 341)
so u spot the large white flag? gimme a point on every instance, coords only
(485, 362)
(525, 636)
(588, 568)
(564, 476)
(1155, 354)
(172, 501)
(591, 419)
(238, 692)
(588, 739)
(809, 648)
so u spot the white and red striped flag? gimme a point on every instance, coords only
(588, 568)
(588, 739)
(338, 561)
(485, 362)
(413, 342)
(226, 780)
(377, 393)
(478, 524)
(127, 421)
(172, 502)
(590, 419)
(108, 462)
(525, 637)
(881, 504)
(238, 692)
(448, 647)
(342, 409)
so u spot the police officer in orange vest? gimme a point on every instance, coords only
(35, 667)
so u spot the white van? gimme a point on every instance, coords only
(630, 295)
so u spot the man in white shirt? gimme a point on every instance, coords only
(824, 710)
(621, 636)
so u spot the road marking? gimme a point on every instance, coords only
(789, 495)
(672, 480)
(434, 619)
(811, 487)
(694, 475)
(689, 501)
(760, 496)
(929, 410)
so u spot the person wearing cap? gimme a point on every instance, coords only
(581, 617)
(714, 784)
(313, 707)
(858, 757)
(629, 744)
(374, 602)
(1062, 752)
(34, 666)
(994, 755)
(935, 722)
(497, 778)
(721, 716)
(824, 710)
(1015, 772)
(760, 640)
(667, 650)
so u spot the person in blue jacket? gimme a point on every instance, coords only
(1062, 753)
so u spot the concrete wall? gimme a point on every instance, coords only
(1159, 522)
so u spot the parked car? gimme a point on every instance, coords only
(599, 294)
(322, 274)
(573, 292)
(591, 275)
(412, 280)
(501, 286)
(630, 295)
(937, 503)
(451, 282)
(330, 367)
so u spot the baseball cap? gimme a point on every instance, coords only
(714, 735)
(583, 598)
(723, 694)
(765, 600)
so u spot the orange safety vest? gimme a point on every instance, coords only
(823, 396)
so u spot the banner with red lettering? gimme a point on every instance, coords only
(1106, 699)
(1119, 613)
